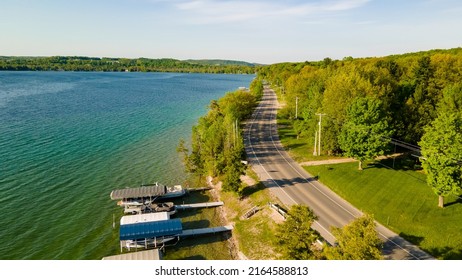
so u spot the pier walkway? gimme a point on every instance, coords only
(201, 231)
(199, 205)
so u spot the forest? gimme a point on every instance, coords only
(364, 102)
(82, 63)
(217, 145)
(411, 89)
(368, 103)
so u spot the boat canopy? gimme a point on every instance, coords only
(151, 229)
(144, 218)
(144, 191)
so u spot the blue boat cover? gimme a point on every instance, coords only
(151, 229)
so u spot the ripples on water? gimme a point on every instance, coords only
(67, 139)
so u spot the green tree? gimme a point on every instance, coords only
(356, 241)
(441, 147)
(184, 154)
(237, 105)
(452, 99)
(256, 88)
(231, 179)
(217, 146)
(342, 88)
(234, 167)
(365, 133)
(295, 236)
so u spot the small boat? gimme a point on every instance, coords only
(144, 218)
(175, 191)
(168, 207)
(147, 192)
(142, 199)
(139, 208)
(170, 192)
(129, 203)
(147, 243)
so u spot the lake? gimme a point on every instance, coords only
(68, 138)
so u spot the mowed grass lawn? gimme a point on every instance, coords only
(300, 149)
(401, 200)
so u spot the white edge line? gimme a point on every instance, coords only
(267, 173)
(274, 144)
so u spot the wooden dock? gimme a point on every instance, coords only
(136, 256)
(202, 231)
(198, 189)
(199, 205)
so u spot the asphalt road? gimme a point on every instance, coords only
(293, 185)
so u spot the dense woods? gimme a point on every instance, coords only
(415, 97)
(217, 146)
(81, 63)
(409, 87)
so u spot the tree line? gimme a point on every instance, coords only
(415, 97)
(408, 86)
(82, 63)
(217, 150)
(217, 146)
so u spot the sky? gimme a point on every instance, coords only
(250, 30)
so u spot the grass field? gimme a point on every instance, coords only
(300, 149)
(256, 235)
(398, 198)
(210, 247)
(402, 201)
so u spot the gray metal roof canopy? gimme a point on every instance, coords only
(146, 191)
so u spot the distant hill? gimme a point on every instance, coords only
(219, 62)
(107, 64)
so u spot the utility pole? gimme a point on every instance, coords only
(296, 107)
(235, 132)
(319, 139)
(315, 153)
(394, 157)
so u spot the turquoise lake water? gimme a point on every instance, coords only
(68, 138)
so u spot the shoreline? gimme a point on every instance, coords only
(233, 244)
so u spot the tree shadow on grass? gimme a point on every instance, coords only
(399, 248)
(446, 253)
(380, 165)
(458, 200)
(192, 241)
(404, 162)
(191, 197)
(188, 213)
(416, 240)
(249, 190)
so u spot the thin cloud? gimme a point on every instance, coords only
(214, 11)
(345, 5)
